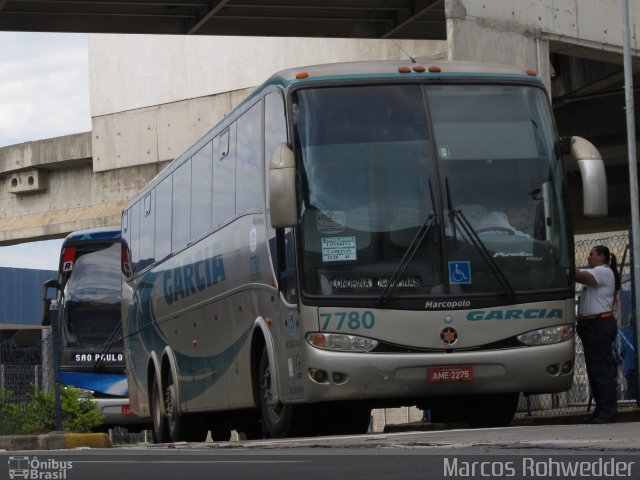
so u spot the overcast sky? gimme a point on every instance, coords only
(44, 86)
(44, 93)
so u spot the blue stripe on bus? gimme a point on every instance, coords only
(106, 383)
(197, 373)
(206, 371)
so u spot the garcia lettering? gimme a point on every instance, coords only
(192, 277)
(514, 314)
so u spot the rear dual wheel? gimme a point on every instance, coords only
(158, 415)
(182, 428)
(170, 425)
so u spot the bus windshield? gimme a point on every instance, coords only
(92, 298)
(379, 161)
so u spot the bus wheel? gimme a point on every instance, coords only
(493, 410)
(182, 427)
(278, 419)
(160, 431)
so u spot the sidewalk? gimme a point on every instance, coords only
(54, 441)
(625, 415)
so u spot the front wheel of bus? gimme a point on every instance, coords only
(160, 430)
(278, 419)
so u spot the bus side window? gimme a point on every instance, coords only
(163, 212)
(147, 219)
(224, 178)
(201, 191)
(249, 196)
(181, 205)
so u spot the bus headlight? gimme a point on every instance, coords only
(547, 336)
(341, 342)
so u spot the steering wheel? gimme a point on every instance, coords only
(499, 230)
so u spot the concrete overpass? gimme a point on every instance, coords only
(153, 96)
(415, 19)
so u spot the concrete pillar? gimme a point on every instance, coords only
(476, 34)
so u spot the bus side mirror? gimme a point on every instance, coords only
(46, 302)
(282, 187)
(594, 177)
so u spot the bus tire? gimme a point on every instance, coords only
(182, 427)
(277, 419)
(158, 415)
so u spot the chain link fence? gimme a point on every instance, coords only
(25, 372)
(578, 399)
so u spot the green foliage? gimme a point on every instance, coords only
(79, 415)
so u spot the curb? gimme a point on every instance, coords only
(55, 441)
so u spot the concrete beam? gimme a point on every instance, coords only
(52, 153)
(58, 223)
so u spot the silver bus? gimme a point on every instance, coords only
(356, 236)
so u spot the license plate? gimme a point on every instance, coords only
(126, 410)
(454, 373)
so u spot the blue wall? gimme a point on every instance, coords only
(21, 294)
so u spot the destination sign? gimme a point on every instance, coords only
(94, 357)
(368, 282)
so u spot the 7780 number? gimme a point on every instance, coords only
(348, 320)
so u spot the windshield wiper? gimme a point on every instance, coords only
(113, 338)
(416, 241)
(478, 244)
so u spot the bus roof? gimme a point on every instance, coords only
(398, 68)
(100, 233)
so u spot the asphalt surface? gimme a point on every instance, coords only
(65, 440)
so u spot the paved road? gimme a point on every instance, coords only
(572, 451)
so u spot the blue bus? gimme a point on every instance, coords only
(89, 328)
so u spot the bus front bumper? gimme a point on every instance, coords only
(116, 412)
(362, 376)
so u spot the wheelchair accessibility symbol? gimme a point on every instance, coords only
(460, 273)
